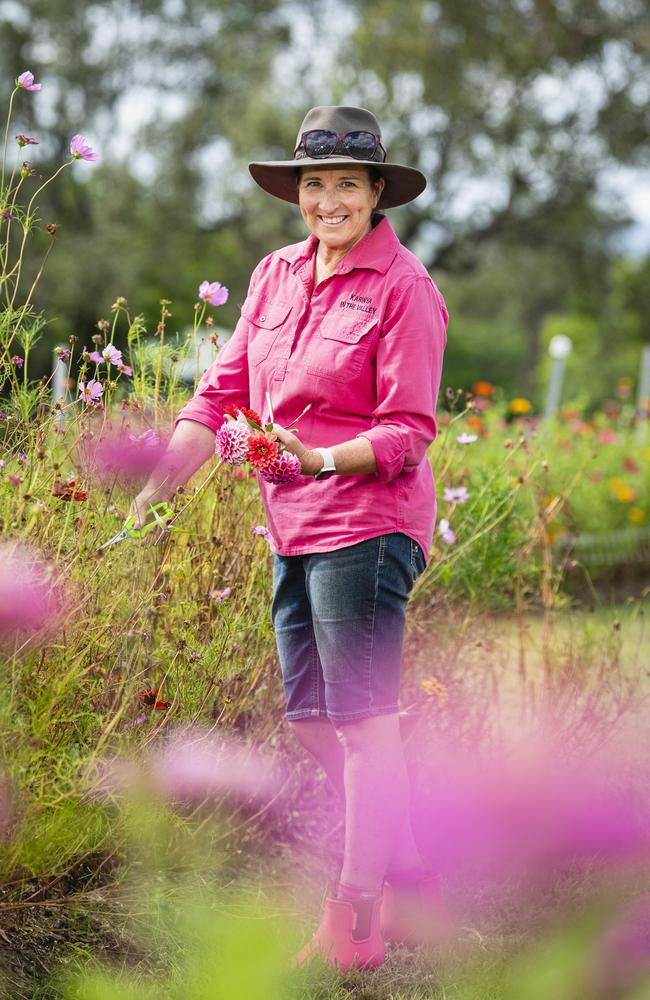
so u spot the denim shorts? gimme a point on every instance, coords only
(339, 626)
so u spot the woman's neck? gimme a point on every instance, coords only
(327, 259)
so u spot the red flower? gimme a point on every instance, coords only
(149, 697)
(66, 491)
(262, 449)
(232, 409)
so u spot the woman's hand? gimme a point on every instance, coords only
(310, 461)
(139, 509)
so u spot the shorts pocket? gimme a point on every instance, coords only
(265, 319)
(418, 562)
(339, 348)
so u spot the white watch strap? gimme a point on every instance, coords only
(329, 464)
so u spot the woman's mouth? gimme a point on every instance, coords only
(332, 220)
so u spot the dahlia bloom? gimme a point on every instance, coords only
(284, 469)
(263, 449)
(233, 409)
(231, 443)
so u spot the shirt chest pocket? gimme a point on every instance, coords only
(338, 349)
(265, 320)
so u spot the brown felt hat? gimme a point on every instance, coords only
(278, 177)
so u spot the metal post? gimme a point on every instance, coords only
(559, 349)
(643, 394)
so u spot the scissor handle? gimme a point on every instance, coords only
(160, 511)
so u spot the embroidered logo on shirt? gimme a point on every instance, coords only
(358, 303)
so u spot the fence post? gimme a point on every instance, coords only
(559, 349)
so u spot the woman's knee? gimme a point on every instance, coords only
(369, 735)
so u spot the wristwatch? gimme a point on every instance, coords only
(329, 465)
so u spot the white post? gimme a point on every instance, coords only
(559, 349)
(59, 384)
(643, 394)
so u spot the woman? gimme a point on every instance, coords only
(349, 322)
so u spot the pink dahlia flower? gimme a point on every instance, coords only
(284, 469)
(231, 444)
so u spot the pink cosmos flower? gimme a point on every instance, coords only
(29, 600)
(466, 438)
(283, 470)
(264, 532)
(111, 355)
(80, 150)
(26, 140)
(94, 356)
(26, 81)
(220, 595)
(231, 442)
(448, 535)
(18, 361)
(124, 369)
(6, 214)
(457, 494)
(62, 353)
(92, 391)
(213, 293)
(120, 452)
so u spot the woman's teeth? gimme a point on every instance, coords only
(334, 221)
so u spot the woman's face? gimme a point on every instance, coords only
(337, 203)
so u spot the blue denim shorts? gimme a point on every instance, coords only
(339, 626)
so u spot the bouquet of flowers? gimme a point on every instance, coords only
(242, 438)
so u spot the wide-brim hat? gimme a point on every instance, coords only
(278, 177)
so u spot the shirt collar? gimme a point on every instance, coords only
(376, 250)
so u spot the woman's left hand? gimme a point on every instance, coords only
(310, 462)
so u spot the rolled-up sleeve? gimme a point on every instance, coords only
(409, 366)
(225, 381)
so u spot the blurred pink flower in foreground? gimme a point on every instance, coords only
(213, 293)
(29, 600)
(195, 765)
(129, 452)
(80, 149)
(621, 957)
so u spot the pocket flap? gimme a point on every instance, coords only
(264, 313)
(335, 327)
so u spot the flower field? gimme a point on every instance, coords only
(158, 826)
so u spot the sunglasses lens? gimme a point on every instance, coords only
(320, 142)
(360, 144)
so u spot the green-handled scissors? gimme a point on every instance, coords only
(160, 511)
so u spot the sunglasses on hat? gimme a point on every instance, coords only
(319, 142)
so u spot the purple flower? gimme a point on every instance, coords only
(150, 438)
(62, 353)
(125, 369)
(139, 719)
(120, 452)
(456, 495)
(466, 438)
(93, 356)
(213, 293)
(6, 214)
(17, 361)
(28, 598)
(112, 355)
(3, 464)
(259, 529)
(448, 535)
(80, 150)
(26, 140)
(220, 595)
(91, 392)
(14, 480)
(26, 81)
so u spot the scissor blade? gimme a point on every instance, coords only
(121, 535)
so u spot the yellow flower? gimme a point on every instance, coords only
(621, 490)
(519, 406)
(433, 688)
(636, 515)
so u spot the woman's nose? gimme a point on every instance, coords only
(328, 200)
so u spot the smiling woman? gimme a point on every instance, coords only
(347, 328)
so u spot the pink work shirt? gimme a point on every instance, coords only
(364, 348)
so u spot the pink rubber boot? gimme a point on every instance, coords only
(334, 942)
(414, 912)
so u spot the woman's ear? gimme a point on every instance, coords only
(378, 188)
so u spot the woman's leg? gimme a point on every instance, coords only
(373, 742)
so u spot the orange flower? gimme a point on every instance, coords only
(622, 491)
(262, 449)
(519, 406)
(476, 423)
(482, 388)
(636, 515)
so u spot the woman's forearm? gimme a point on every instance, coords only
(190, 447)
(352, 458)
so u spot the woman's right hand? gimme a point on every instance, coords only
(140, 507)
